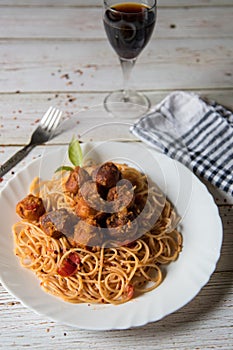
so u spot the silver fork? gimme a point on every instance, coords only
(43, 133)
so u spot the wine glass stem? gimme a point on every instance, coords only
(126, 66)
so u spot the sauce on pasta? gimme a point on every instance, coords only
(91, 243)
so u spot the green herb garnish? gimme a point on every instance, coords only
(75, 155)
(75, 152)
(64, 167)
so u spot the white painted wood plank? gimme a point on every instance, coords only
(86, 23)
(209, 315)
(72, 66)
(75, 3)
(198, 3)
(23, 111)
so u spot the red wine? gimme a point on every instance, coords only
(129, 27)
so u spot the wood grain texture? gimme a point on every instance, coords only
(95, 3)
(201, 316)
(86, 23)
(169, 64)
(56, 53)
(22, 111)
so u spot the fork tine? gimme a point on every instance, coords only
(53, 119)
(46, 115)
(49, 118)
(41, 134)
(56, 122)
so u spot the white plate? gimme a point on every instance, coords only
(201, 229)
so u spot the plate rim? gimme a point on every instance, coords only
(128, 324)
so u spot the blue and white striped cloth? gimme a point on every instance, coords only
(197, 133)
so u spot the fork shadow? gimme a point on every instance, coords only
(65, 127)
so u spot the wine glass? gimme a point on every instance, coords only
(129, 26)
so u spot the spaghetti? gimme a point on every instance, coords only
(112, 271)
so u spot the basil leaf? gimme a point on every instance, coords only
(75, 152)
(64, 167)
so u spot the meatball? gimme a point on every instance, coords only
(89, 201)
(107, 175)
(87, 233)
(122, 226)
(76, 179)
(30, 208)
(121, 196)
(92, 193)
(83, 209)
(58, 222)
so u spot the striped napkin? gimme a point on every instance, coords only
(195, 132)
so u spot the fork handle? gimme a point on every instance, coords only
(15, 159)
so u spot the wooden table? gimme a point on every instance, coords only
(56, 53)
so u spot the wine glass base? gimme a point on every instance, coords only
(134, 105)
